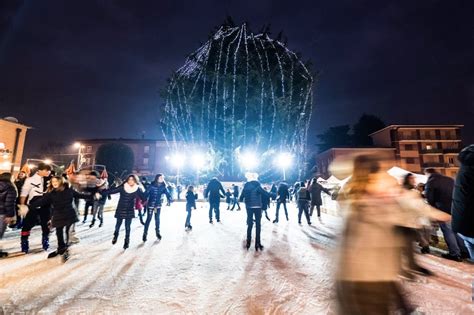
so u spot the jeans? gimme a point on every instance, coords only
(62, 245)
(98, 211)
(279, 203)
(31, 219)
(469, 242)
(214, 205)
(235, 202)
(455, 243)
(150, 211)
(251, 213)
(128, 223)
(89, 204)
(188, 217)
(303, 206)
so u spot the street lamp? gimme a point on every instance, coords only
(284, 160)
(177, 161)
(47, 161)
(199, 162)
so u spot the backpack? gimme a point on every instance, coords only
(303, 194)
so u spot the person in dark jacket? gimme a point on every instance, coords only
(8, 196)
(235, 198)
(214, 192)
(252, 194)
(19, 182)
(99, 201)
(438, 193)
(266, 200)
(304, 200)
(60, 197)
(462, 209)
(283, 195)
(228, 198)
(191, 198)
(154, 196)
(273, 192)
(125, 211)
(315, 189)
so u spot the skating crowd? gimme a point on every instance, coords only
(383, 219)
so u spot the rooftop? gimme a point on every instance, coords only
(418, 127)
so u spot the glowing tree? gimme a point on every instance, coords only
(240, 91)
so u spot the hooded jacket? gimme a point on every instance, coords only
(8, 195)
(439, 192)
(253, 193)
(155, 193)
(462, 209)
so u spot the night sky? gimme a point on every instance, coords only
(92, 69)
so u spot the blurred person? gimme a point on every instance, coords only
(179, 190)
(369, 261)
(235, 197)
(266, 200)
(296, 187)
(214, 192)
(34, 187)
(462, 209)
(19, 182)
(273, 192)
(228, 198)
(252, 194)
(8, 196)
(145, 182)
(304, 200)
(315, 189)
(154, 199)
(282, 196)
(130, 190)
(439, 193)
(60, 198)
(191, 198)
(99, 201)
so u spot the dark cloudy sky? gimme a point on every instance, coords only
(77, 69)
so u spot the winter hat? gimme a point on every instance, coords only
(251, 176)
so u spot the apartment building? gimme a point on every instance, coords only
(12, 142)
(421, 146)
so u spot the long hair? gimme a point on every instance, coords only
(135, 178)
(406, 181)
(364, 166)
(63, 184)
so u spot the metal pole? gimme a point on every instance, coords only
(284, 174)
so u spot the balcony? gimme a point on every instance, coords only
(433, 164)
(451, 165)
(451, 150)
(432, 151)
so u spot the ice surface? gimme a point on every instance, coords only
(205, 271)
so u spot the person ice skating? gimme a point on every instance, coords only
(60, 198)
(369, 260)
(34, 187)
(214, 192)
(228, 198)
(8, 196)
(252, 194)
(266, 200)
(463, 200)
(191, 198)
(315, 189)
(283, 195)
(154, 197)
(438, 192)
(125, 211)
(99, 200)
(296, 187)
(273, 192)
(235, 197)
(304, 200)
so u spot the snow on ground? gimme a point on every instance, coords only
(205, 271)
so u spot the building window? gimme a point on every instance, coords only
(409, 147)
(451, 160)
(89, 149)
(410, 161)
(145, 161)
(429, 147)
(146, 149)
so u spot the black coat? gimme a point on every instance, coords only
(191, 199)
(462, 209)
(214, 191)
(126, 205)
(439, 192)
(315, 190)
(8, 195)
(154, 194)
(253, 194)
(62, 205)
(283, 193)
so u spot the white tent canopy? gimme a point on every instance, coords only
(400, 173)
(333, 180)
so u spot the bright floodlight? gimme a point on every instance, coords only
(199, 161)
(284, 160)
(177, 160)
(47, 161)
(249, 161)
(77, 145)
